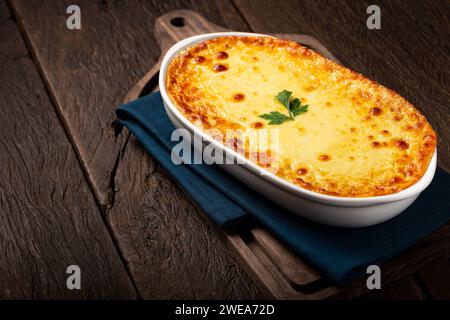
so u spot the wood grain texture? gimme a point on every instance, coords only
(410, 54)
(89, 71)
(436, 279)
(403, 289)
(293, 267)
(48, 217)
(268, 276)
(169, 249)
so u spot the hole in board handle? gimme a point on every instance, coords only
(177, 22)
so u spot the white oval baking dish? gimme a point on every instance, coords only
(330, 210)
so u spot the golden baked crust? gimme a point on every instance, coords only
(358, 138)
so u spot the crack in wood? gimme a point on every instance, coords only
(422, 286)
(112, 189)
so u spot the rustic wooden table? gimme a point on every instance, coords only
(76, 190)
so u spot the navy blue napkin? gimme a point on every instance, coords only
(338, 253)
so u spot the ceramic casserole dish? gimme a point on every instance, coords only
(341, 211)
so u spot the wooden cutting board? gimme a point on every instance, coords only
(276, 269)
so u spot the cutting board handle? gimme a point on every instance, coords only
(180, 24)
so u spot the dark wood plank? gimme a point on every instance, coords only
(293, 267)
(48, 217)
(436, 279)
(170, 250)
(410, 54)
(272, 280)
(403, 289)
(89, 71)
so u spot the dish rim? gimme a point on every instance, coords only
(408, 192)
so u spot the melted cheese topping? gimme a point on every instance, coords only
(358, 138)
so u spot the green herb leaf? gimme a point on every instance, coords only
(294, 105)
(297, 107)
(283, 97)
(294, 108)
(275, 117)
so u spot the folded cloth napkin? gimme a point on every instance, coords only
(338, 253)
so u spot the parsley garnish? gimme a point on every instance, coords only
(275, 117)
(294, 108)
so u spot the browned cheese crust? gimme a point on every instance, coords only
(357, 139)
